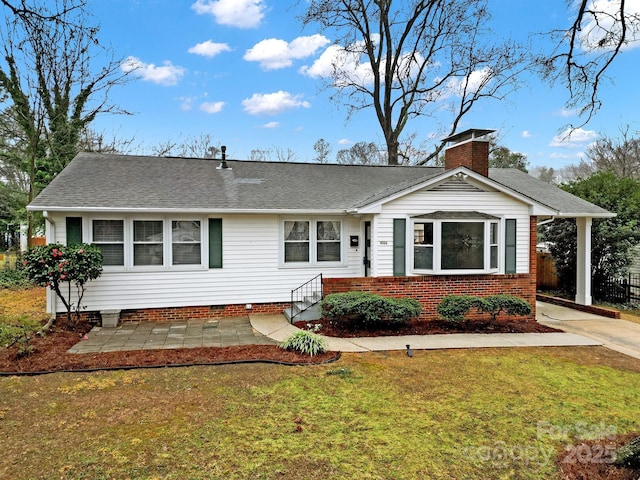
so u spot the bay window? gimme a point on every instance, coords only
(456, 242)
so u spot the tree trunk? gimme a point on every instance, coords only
(392, 152)
(628, 455)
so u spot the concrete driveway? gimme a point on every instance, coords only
(619, 335)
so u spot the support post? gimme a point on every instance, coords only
(583, 267)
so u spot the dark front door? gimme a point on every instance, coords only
(367, 249)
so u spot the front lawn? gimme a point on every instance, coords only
(490, 413)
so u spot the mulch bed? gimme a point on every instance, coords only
(50, 355)
(592, 460)
(429, 327)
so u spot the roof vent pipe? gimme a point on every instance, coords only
(223, 165)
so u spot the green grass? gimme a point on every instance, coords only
(441, 414)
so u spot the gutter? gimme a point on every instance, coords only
(199, 211)
(51, 237)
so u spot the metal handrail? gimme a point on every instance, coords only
(300, 295)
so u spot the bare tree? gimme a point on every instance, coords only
(284, 155)
(99, 142)
(323, 150)
(547, 174)
(361, 153)
(598, 33)
(54, 87)
(260, 155)
(407, 59)
(620, 156)
(197, 146)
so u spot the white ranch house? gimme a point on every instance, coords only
(195, 237)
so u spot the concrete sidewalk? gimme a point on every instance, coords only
(278, 328)
(619, 335)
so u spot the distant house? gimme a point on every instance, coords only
(194, 237)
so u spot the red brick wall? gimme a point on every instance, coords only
(429, 290)
(473, 155)
(185, 313)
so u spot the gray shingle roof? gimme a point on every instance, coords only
(123, 182)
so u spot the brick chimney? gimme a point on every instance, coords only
(468, 149)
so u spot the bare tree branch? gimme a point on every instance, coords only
(408, 59)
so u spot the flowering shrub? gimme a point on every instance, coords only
(55, 265)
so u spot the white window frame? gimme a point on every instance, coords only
(437, 246)
(183, 242)
(313, 243)
(167, 243)
(123, 243)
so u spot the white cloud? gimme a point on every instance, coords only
(186, 103)
(566, 156)
(350, 66)
(602, 27)
(209, 49)
(271, 125)
(472, 83)
(344, 141)
(235, 13)
(573, 138)
(211, 107)
(526, 134)
(272, 103)
(273, 53)
(167, 74)
(566, 112)
(347, 62)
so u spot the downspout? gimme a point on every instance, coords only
(50, 235)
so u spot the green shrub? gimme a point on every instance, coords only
(14, 279)
(305, 342)
(509, 304)
(18, 331)
(369, 308)
(454, 308)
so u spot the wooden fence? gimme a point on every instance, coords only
(546, 277)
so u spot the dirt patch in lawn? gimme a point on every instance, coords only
(50, 354)
(430, 327)
(593, 460)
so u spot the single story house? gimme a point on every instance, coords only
(202, 238)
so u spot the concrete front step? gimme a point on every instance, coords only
(310, 314)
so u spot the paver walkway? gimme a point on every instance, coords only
(582, 330)
(222, 332)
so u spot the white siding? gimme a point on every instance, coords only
(251, 270)
(425, 201)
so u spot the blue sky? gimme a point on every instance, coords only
(247, 73)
